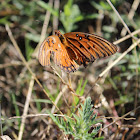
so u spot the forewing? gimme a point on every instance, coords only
(90, 46)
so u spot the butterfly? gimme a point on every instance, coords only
(73, 49)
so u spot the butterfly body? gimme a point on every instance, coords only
(73, 49)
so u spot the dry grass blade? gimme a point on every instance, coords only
(131, 14)
(118, 118)
(68, 85)
(126, 37)
(55, 19)
(3, 46)
(5, 137)
(131, 126)
(58, 97)
(10, 64)
(31, 116)
(121, 118)
(1, 132)
(26, 108)
(124, 24)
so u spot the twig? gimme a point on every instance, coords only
(55, 19)
(3, 46)
(131, 126)
(26, 108)
(58, 75)
(131, 14)
(5, 137)
(136, 78)
(1, 132)
(68, 85)
(58, 97)
(18, 63)
(120, 118)
(124, 24)
(99, 23)
(26, 64)
(102, 117)
(31, 116)
(126, 37)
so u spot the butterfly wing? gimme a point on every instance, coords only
(53, 45)
(44, 53)
(89, 47)
(74, 48)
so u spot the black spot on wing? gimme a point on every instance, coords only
(83, 55)
(106, 43)
(87, 36)
(81, 45)
(68, 69)
(89, 47)
(80, 38)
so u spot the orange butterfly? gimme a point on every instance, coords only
(74, 48)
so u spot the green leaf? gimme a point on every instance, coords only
(33, 37)
(95, 131)
(4, 20)
(42, 101)
(81, 124)
(80, 89)
(79, 86)
(29, 49)
(16, 107)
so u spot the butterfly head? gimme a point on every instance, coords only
(52, 40)
(62, 38)
(60, 35)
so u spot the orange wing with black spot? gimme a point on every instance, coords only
(53, 45)
(89, 47)
(74, 48)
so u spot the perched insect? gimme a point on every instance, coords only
(73, 49)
